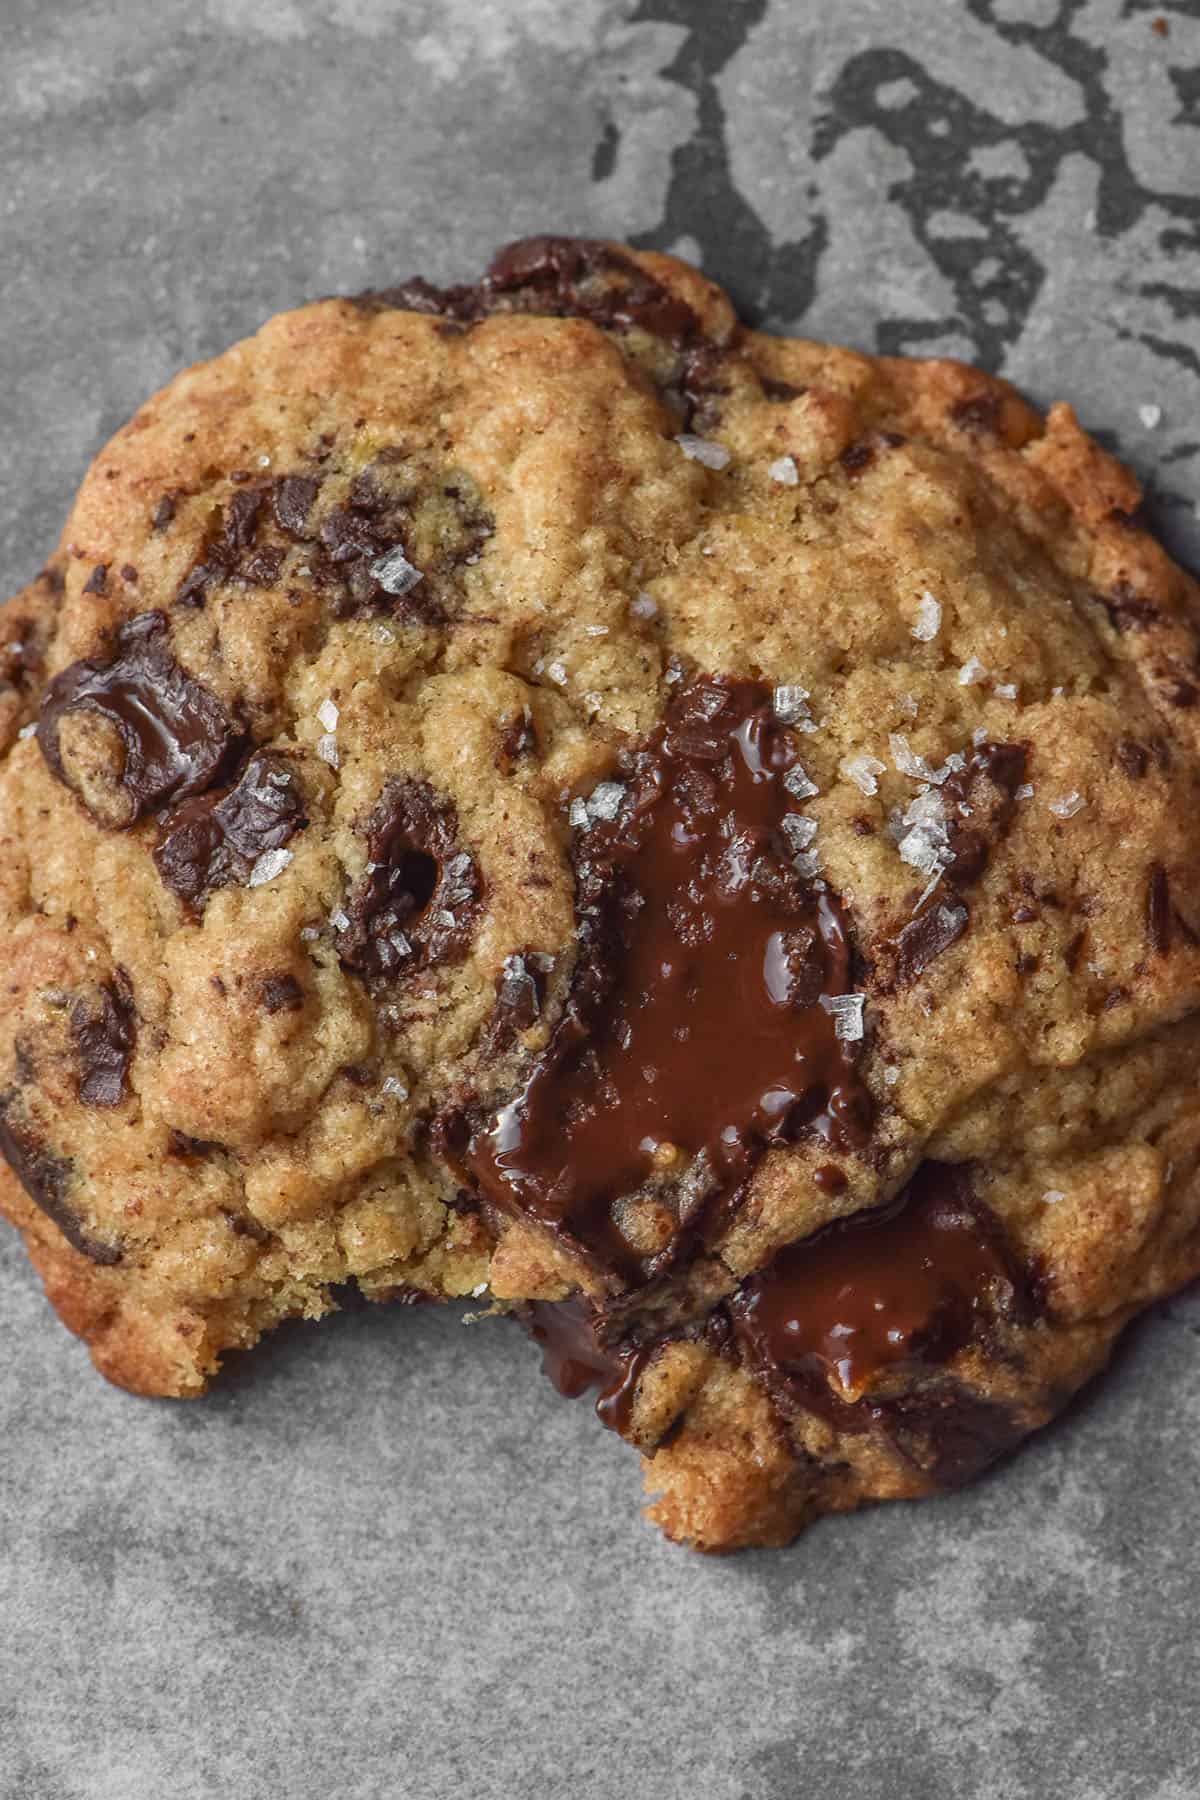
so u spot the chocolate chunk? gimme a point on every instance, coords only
(129, 573)
(587, 278)
(1133, 757)
(1158, 910)
(860, 455)
(979, 414)
(691, 914)
(418, 902)
(214, 840)
(906, 1284)
(164, 512)
(979, 801)
(926, 936)
(292, 501)
(1127, 610)
(262, 569)
(230, 534)
(104, 1029)
(948, 1432)
(520, 993)
(518, 738)
(782, 391)
(581, 278)
(282, 993)
(97, 581)
(46, 1178)
(241, 518)
(576, 1359)
(179, 1143)
(177, 738)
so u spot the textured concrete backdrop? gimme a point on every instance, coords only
(384, 1559)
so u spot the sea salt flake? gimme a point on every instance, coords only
(862, 770)
(604, 802)
(478, 1292)
(578, 815)
(264, 462)
(557, 671)
(1151, 416)
(380, 634)
(798, 831)
(922, 848)
(808, 864)
(444, 918)
(310, 933)
(327, 750)
(339, 921)
(847, 1012)
(1067, 805)
(909, 763)
(928, 621)
(595, 630)
(1007, 690)
(908, 705)
(1052, 1196)
(270, 864)
(328, 715)
(394, 573)
(643, 606)
(784, 470)
(1024, 792)
(972, 671)
(391, 1085)
(27, 731)
(703, 450)
(799, 784)
(891, 1075)
(789, 703)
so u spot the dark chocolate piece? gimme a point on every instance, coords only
(905, 1284)
(697, 1030)
(520, 991)
(927, 935)
(282, 993)
(563, 277)
(292, 501)
(949, 1433)
(575, 1358)
(417, 904)
(46, 1178)
(104, 1028)
(177, 737)
(1158, 910)
(214, 840)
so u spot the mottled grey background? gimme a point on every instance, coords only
(383, 1559)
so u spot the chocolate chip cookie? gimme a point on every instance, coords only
(537, 792)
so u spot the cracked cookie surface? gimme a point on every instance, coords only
(535, 790)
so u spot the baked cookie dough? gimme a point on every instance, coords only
(537, 792)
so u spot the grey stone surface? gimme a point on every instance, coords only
(383, 1559)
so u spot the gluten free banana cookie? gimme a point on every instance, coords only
(534, 791)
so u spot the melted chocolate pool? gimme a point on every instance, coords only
(699, 1028)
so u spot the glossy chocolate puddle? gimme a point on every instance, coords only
(700, 1027)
